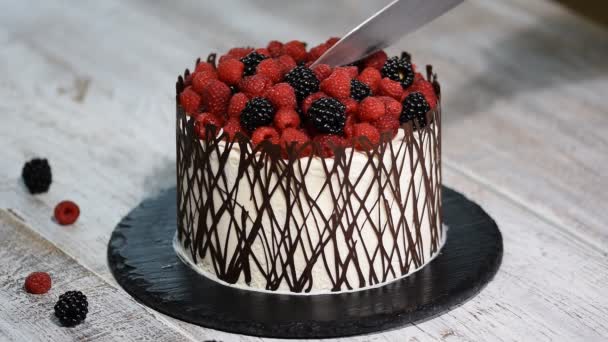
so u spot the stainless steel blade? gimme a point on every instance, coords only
(397, 19)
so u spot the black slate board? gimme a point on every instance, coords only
(142, 259)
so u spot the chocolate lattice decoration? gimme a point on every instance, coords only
(288, 238)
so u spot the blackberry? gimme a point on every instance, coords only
(359, 90)
(37, 175)
(303, 80)
(251, 62)
(71, 309)
(400, 70)
(415, 108)
(257, 112)
(328, 115)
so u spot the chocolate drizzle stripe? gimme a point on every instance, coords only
(377, 230)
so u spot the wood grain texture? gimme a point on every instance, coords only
(89, 85)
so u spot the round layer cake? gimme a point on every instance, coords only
(307, 180)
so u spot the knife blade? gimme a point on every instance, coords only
(385, 27)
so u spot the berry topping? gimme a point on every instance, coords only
(337, 84)
(286, 118)
(328, 115)
(375, 60)
(287, 63)
(264, 133)
(204, 67)
(281, 95)
(257, 112)
(425, 88)
(388, 126)
(239, 52)
(295, 49)
(232, 127)
(392, 106)
(352, 106)
(350, 71)
(322, 71)
(237, 104)
(71, 309)
(316, 52)
(201, 79)
(270, 68)
(66, 212)
(37, 175)
(327, 143)
(359, 90)
(230, 71)
(274, 48)
(388, 87)
(296, 138)
(415, 108)
(38, 283)
(310, 99)
(216, 96)
(400, 70)
(371, 77)
(255, 85)
(207, 122)
(190, 101)
(371, 109)
(368, 131)
(251, 62)
(303, 80)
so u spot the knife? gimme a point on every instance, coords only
(382, 29)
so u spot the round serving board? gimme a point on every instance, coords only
(142, 258)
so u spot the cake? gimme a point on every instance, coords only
(307, 179)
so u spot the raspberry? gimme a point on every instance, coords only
(349, 126)
(350, 71)
(292, 140)
(388, 87)
(328, 115)
(207, 123)
(204, 67)
(371, 77)
(316, 52)
(66, 212)
(37, 176)
(258, 112)
(322, 71)
(387, 126)
(415, 108)
(331, 41)
(295, 49)
(393, 107)
(337, 85)
(216, 96)
(263, 51)
(237, 104)
(201, 79)
(286, 118)
(239, 52)
(230, 71)
(255, 85)
(264, 133)
(375, 60)
(399, 70)
(190, 101)
(72, 307)
(371, 108)
(270, 68)
(425, 88)
(327, 143)
(251, 62)
(359, 90)
(352, 106)
(418, 77)
(303, 80)
(38, 283)
(368, 131)
(232, 127)
(281, 95)
(274, 48)
(287, 63)
(310, 99)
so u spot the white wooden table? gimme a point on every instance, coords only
(90, 86)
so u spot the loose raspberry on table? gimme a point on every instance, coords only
(399, 70)
(296, 49)
(310, 99)
(66, 212)
(255, 85)
(393, 107)
(206, 123)
(368, 131)
(375, 60)
(251, 62)
(371, 77)
(337, 85)
(281, 95)
(327, 143)
(270, 68)
(201, 79)
(415, 108)
(293, 140)
(237, 104)
(274, 48)
(37, 175)
(388, 87)
(190, 101)
(204, 67)
(286, 118)
(264, 133)
(258, 112)
(387, 126)
(328, 115)
(71, 309)
(322, 71)
(426, 88)
(230, 71)
(287, 63)
(232, 127)
(359, 90)
(216, 96)
(38, 283)
(303, 80)
(370, 109)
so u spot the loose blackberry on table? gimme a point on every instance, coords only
(72, 308)
(37, 175)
